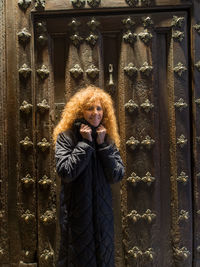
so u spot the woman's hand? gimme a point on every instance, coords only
(101, 132)
(86, 132)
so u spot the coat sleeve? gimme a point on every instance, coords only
(112, 162)
(71, 160)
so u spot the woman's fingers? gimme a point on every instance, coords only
(85, 128)
(101, 132)
(101, 128)
(86, 131)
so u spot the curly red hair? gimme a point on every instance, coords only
(80, 101)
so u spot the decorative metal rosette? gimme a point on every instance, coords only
(180, 69)
(40, 4)
(92, 71)
(94, 3)
(26, 107)
(148, 22)
(24, 4)
(76, 39)
(76, 71)
(132, 3)
(92, 39)
(24, 36)
(177, 22)
(78, 3)
(130, 37)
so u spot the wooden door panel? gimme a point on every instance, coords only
(152, 160)
(4, 242)
(195, 96)
(45, 171)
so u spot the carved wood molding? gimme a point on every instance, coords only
(82, 4)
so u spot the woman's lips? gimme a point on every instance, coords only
(95, 120)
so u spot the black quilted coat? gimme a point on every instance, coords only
(86, 218)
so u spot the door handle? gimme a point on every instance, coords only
(110, 69)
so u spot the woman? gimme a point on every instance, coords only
(87, 160)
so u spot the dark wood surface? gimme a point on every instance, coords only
(36, 242)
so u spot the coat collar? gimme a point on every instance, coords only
(78, 122)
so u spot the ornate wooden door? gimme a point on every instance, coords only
(142, 59)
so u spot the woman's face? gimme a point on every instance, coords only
(93, 113)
